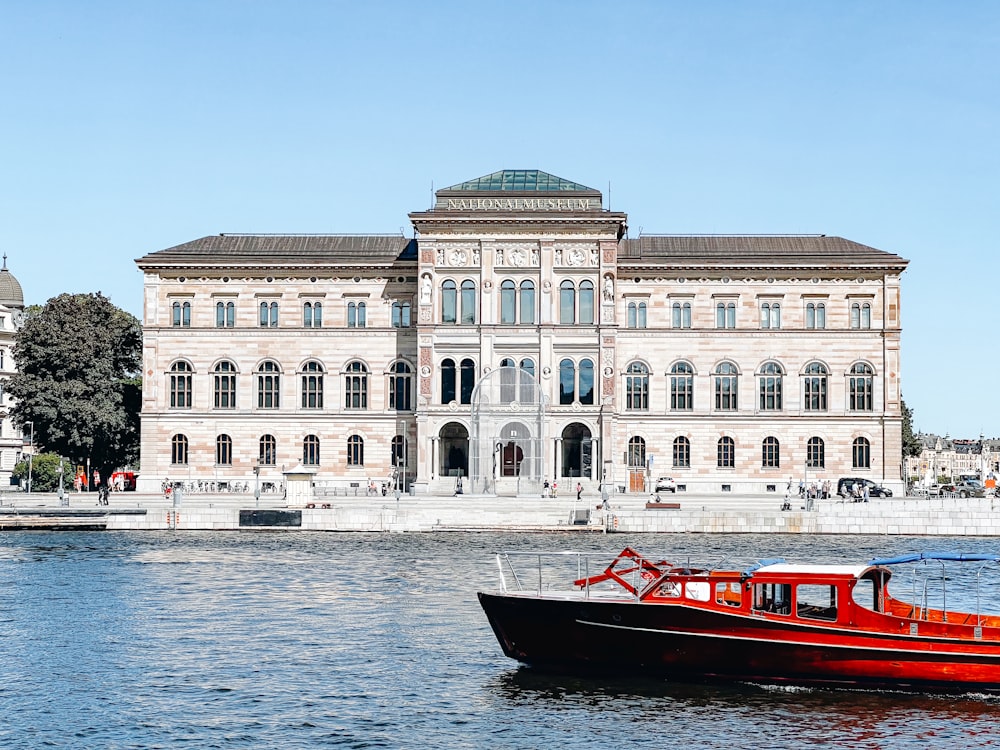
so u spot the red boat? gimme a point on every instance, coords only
(775, 622)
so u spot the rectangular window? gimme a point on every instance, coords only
(816, 602)
(730, 594)
(773, 597)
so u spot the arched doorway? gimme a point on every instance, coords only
(454, 455)
(577, 451)
(508, 430)
(516, 445)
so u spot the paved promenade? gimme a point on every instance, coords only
(627, 513)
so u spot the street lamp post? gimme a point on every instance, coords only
(62, 494)
(31, 453)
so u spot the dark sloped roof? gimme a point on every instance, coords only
(754, 250)
(519, 181)
(276, 249)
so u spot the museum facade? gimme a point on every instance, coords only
(521, 336)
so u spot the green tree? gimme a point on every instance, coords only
(911, 443)
(78, 360)
(44, 472)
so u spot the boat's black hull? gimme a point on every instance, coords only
(688, 643)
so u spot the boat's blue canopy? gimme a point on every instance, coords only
(918, 556)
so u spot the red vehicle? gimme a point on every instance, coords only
(778, 622)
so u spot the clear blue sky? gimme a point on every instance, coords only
(128, 127)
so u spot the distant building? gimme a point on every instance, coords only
(951, 458)
(521, 336)
(12, 443)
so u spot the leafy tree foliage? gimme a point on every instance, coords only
(78, 360)
(44, 473)
(911, 443)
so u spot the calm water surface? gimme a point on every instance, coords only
(305, 640)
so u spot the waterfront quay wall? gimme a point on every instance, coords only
(627, 514)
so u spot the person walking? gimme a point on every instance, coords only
(579, 490)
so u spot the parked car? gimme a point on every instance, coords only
(970, 488)
(665, 484)
(845, 487)
(937, 490)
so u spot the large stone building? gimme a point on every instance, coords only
(521, 336)
(14, 444)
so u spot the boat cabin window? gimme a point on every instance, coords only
(730, 594)
(669, 588)
(773, 597)
(697, 590)
(816, 601)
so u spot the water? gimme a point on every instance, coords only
(297, 640)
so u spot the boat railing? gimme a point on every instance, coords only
(924, 581)
(535, 572)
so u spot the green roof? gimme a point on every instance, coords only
(520, 180)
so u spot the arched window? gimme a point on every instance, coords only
(681, 387)
(861, 315)
(267, 454)
(636, 452)
(400, 314)
(567, 303)
(815, 315)
(355, 451)
(224, 385)
(400, 385)
(449, 302)
(224, 450)
(508, 302)
(680, 315)
(356, 386)
(861, 386)
(726, 453)
(682, 453)
(268, 314)
(467, 380)
(310, 451)
(726, 387)
(586, 382)
(567, 382)
(468, 302)
(398, 451)
(816, 453)
(770, 378)
(312, 385)
(225, 314)
(637, 386)
(182, 314)
(312, 314)
(861, 453)
(179, 450)
(357, 315)
(636, 314)
(448, 381)
(814, 387)
(770, 453)
(268, 386)
(527, 302)
(725, 315)
(527, 389)
(587, 302)
(508, 386)
(180, 385)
